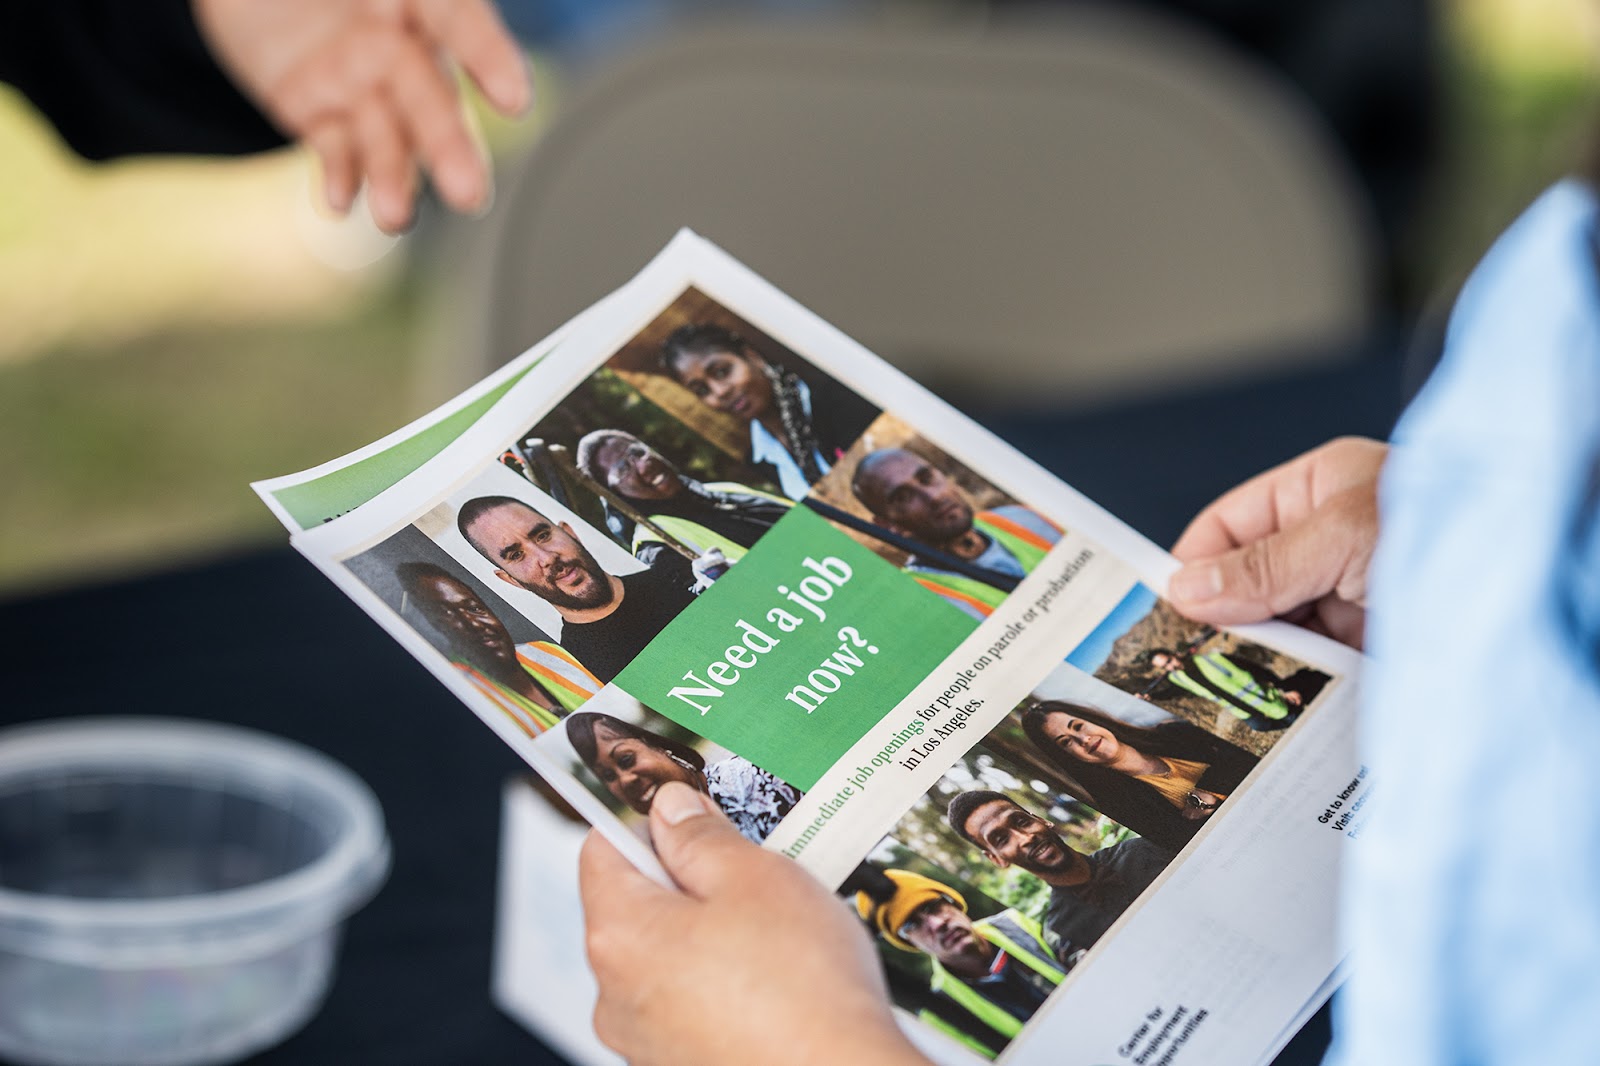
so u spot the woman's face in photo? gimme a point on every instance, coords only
(731, 382)
(632, 770)
(1081, 740)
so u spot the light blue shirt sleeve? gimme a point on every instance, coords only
(1473, 897)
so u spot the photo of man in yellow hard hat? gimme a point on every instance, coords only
(988, 975)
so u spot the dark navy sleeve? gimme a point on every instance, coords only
(117, 78)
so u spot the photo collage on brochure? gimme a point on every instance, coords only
(713, 562)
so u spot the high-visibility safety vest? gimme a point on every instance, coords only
(692, 534)
(966, 1040)
(1027, 546)
(1035, 955)
(563, 676)
(533, 718)
(964, 592)
(1222, 677)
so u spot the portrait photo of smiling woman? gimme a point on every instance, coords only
(1163, 781)
(632, 763)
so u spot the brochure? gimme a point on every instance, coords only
(700, 535)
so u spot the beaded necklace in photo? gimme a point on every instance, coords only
(801, 443)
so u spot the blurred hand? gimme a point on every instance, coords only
(369, 85)
(1295, 541)
(750, 961)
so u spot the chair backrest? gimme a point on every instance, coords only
(1083, 208)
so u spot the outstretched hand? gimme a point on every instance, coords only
(369, 85)
(1294, 542)
(750, 960)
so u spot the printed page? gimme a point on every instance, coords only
(710, 539)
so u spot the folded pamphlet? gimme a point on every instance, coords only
(700, 535)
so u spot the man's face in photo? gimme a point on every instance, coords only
(633, 469)
(1165, 662)
(908, 493)
(1010, 836)
(541, 556)
(941, 929)
(457, 610)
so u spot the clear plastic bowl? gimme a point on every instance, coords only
(171, 892)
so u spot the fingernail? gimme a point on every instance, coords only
(677, 803)
(525, 89)
(462, 185)
(513, 95)
(486, 203)
(340, 196)
(1192, 584)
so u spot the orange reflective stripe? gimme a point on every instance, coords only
(554, 678)
(951, 594)
(567, 657)
(559, 652)
(1027, 536)
(524, 717)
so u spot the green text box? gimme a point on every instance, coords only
(794, 690)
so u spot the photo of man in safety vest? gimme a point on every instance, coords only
(699, 515)
(536, 683)
(994, 972)
(1256, 696)
(909, 496)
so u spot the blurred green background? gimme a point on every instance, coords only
(177, 328)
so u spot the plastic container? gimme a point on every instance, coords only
(171, 892)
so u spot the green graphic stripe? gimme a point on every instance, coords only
(333, 494)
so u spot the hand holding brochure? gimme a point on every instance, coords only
(699, 535)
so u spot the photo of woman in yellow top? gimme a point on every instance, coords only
(1162, 781)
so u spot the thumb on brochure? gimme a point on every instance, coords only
(697, 845)
(1328, 553)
